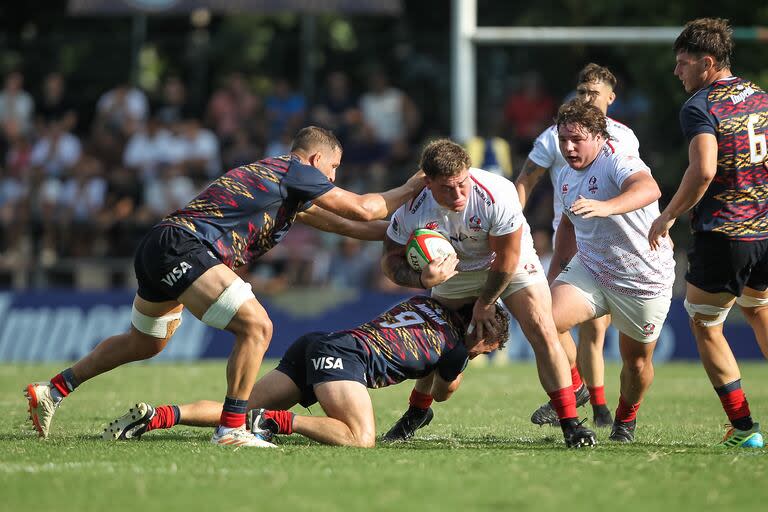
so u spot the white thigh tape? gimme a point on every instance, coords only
(746, 301)
(157, 327)
(225, 307)
(718, 312)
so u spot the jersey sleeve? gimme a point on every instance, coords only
(625, 167)
(306, 182)
(397, 230)
(695, 118)
(453, 362)
(507, 214)
(545, 149)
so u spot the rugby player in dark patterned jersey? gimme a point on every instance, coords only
(187, 260)
(726, 187)
(413, 339)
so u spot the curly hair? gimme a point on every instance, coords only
(707, 36)
(596, 73)
(585, 115)
(443, 157)
(502, 318)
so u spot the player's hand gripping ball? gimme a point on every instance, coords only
(425, 245)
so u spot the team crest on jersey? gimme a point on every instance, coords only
(530, 268)
(648, 329)
(565, 188)
(475, 224)
(592, 184)
(433, 225)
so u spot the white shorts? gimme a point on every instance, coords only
(469, 284)
(639, 318)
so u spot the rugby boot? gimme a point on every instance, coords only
(735, 438)
(601, 416)
(42, 406)
(262, 427)
(579, 436)
(239, 437)
(130, 425)
(623, 431)
(546, 415)
(404, 428)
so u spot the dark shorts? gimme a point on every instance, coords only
(717, 264)
(321, 357)
(168, 260)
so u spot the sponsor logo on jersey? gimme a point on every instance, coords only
(433, 314)
(592, 184)
(648, 329)
(746, 93)
(327, 363)
(483, 196)
(461, 237)
(433, 225)
(475, 224)
(419, 201)
(174, 275)
(564, 190)
(395, 226)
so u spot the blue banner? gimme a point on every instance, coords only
(63, 325)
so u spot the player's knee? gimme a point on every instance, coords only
(706, 315)
(232, 300)
(364, 439)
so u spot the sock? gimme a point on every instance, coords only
(283, 420)
(166, 416)
(597, 395)
(420, 400)
(64, 383)
(626, 412)
(233, 413)
(564, 403)
(576, 379)
(735, 404)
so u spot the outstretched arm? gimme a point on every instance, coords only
(328, 221)
(372, 206)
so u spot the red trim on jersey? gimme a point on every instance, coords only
(484, 188)
(410, 205)
(613, 149)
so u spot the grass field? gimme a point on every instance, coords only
(480, 452)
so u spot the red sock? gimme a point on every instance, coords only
(597, 395)
(576, 379)
(165, 417)
(626, 412)
(735, 404)
(231, 419)
(60, 384)
(284, 420)
(420, 400)
(564, 403)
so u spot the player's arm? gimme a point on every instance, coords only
(372, 206)
(507, 248)
(565, 248)
(702, 167)
(529, 177)
(637, 191)
(328, 221)
(396, 268)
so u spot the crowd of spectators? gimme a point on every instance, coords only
(83, 187)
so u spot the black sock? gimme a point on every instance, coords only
(744, 423)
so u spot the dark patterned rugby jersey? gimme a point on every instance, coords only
(248, 210)
(736, 202)
(410, 340)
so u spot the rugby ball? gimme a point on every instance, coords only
(425, 245)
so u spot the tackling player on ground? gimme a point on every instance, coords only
(609, 200)
(596, 85)
(187, 259)
(479, 213)
(726, 187)
(415, 338)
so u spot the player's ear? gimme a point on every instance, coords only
(611, 97)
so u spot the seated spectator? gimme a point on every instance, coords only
(171, 190)
(199, 150)
(172, 106)
(337, 110)
(56, 151)
(150, 148)
(242, 151)
(353, 263)
(285, 109)
(54, 105)
(80, 199)
(388, 111)
(231, 107)
(122, 110)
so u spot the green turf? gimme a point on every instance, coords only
(479, 453)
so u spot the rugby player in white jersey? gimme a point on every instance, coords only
(609, 201)
(596, 85)
(479, 212)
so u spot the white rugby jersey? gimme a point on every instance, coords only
(546, 153)
(493, 208)
(615, 249)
